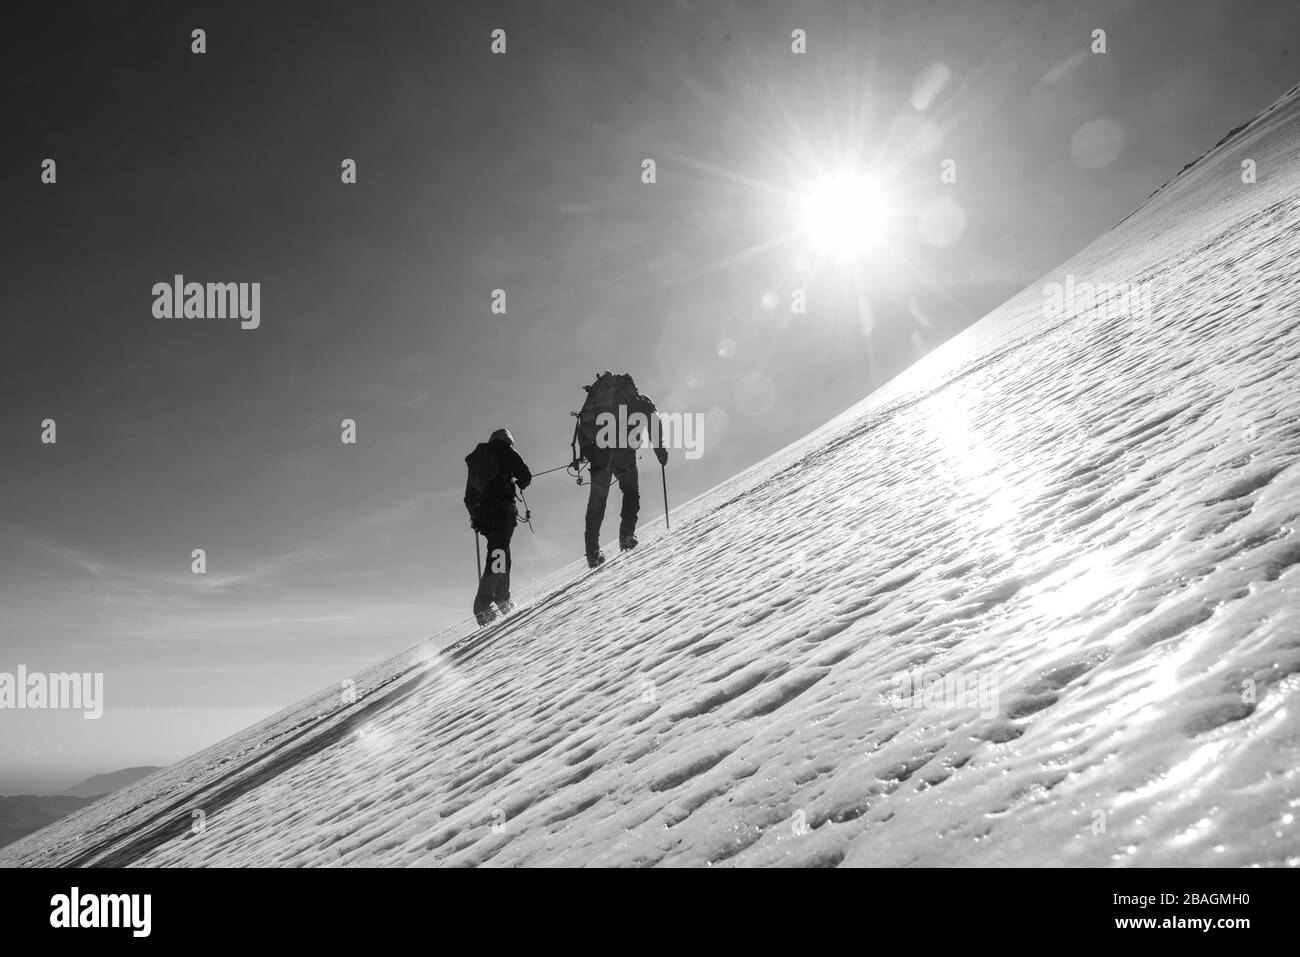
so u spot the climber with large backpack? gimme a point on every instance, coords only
(611, 426)
(495, 469)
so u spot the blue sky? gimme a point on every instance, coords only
(478, 172)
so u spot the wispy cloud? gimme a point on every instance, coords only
(120, 580)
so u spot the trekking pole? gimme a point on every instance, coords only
(663, 470)
(478, 559)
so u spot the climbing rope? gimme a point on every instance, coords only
(574, 470)
(556, 469)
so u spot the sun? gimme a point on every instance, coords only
(845, 216)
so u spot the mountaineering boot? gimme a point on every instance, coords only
(627, 542)
(505, 607)
(486, 617)
(595, 558)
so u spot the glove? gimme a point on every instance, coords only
(661, 454)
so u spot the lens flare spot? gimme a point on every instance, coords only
(929, 83)
(1096, 144)
(942, 222)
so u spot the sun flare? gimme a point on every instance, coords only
(845, 216)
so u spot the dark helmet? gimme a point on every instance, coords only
(502, 435)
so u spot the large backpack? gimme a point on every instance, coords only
(487, 480)
(604, 396)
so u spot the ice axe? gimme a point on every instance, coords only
(528, 513)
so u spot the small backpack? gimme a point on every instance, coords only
(604, 396)
(487, 480)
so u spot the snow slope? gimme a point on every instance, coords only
(1093, 520)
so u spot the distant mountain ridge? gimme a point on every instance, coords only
(99, 784)
(23, 814)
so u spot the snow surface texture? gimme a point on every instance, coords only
(1095, 514)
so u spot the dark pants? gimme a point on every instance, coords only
(499, 527)
(628, 484)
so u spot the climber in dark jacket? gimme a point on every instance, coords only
(495, 469)
(618, 464)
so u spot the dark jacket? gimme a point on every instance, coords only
(624, 457)
(513, 471)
